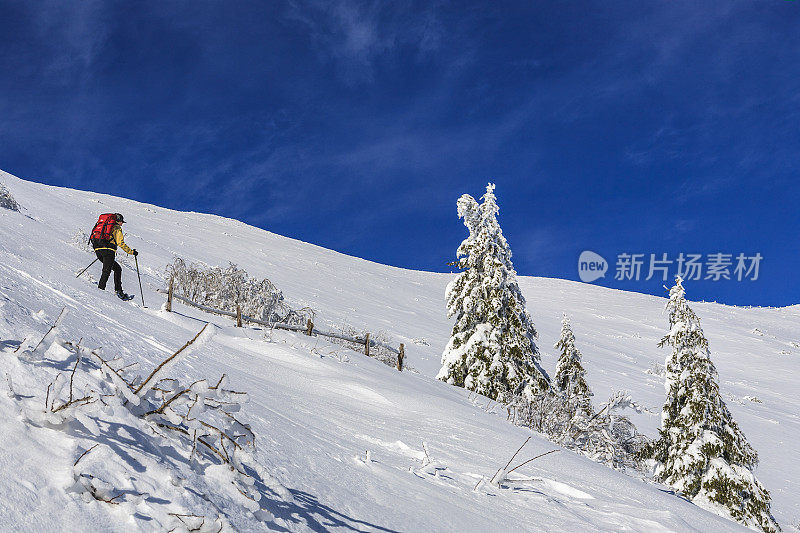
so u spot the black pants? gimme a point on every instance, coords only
(109, 264)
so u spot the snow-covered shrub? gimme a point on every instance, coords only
(80, 240)
(186, 432)
(701, 451)
(6, 200)
(605, 436)
(225, 288)
(656, 369)
(491, 349)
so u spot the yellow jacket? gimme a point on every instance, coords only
(117, 238)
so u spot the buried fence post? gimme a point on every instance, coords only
(238, 316)
(400, 356)
(366, 345)
(309, 327)
(168, 308)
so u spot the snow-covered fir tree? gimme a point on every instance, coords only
(491, 350)
(701, 451)
(569, 378)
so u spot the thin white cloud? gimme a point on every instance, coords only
(356, 35)
(71, 34)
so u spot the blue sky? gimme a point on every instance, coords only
(618, 127)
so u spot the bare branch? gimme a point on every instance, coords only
(173, 428)
(47, 398)
(103, 362)
(213, 449)
(532, 459)
(222, 433)
(512, 458)
(168, 359)
(85, 400)
(84, 453)
(72, 376)
(54, 326)
(215, 387)
(163, 406)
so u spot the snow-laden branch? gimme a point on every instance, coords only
(195, 421)
(170, 361)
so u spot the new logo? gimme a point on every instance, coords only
(591, 266)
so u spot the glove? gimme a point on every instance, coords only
(135, 252)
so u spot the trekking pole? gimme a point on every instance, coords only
(136, 258)
(85, 269)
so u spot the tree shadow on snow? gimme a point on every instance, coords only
(190, 317)
(318, 516)
(123, 438)
(9, 346)
(112, 435)
(675, 493)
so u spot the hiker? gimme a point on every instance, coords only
(106, 236)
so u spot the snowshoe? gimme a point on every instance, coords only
(124, 297)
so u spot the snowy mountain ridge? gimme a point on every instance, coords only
(341, 433)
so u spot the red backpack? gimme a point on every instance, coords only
(104, 227)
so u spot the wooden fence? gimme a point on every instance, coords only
(308, 329)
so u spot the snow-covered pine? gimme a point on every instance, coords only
(6, 200)
(569, 378)
(701, 451)
(491, 349)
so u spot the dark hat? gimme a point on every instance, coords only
(119, 218)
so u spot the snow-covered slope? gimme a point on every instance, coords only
(344, 433)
